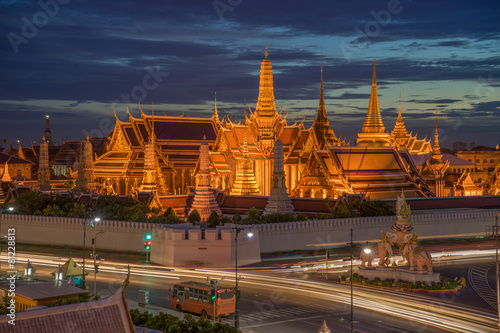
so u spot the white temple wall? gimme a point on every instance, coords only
(172, 247)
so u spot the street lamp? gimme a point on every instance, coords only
(94, 244)
(84, 245)
(249, 235)
(10, 209)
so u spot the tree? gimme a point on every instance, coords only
(29, 203)
(120, 208)
(253, 216)
(237, 218)
(194, 216)
(53, 210)
(302, 217)
(213, 220)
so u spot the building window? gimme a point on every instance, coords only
(19, 173)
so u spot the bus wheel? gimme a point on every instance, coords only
(179, 308)
(204, 314)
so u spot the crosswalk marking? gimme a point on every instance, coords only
(478, 279)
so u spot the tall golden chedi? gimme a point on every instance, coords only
(324, 134)
(267, 122)
(279, 201)
(373, 129)
(245, 183)
(204, 199)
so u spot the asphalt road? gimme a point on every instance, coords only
(265, 307)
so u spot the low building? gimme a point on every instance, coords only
(43, 293)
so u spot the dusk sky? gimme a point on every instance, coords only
(79, 60)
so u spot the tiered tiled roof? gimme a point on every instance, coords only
(108, 315)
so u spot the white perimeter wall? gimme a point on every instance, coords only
(172, 247)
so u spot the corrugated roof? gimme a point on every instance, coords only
(42, 290)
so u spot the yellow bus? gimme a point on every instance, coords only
(200, 298)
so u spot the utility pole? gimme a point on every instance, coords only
(352, 298)
(494, 233)
(326, 265)
(215, 282)
(94, 255)
(496, 264)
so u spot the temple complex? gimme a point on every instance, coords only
(159, 155)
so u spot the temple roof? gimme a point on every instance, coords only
(452, 159)
(12, 159)
(381, 172)
(102, 316)
(44, 290)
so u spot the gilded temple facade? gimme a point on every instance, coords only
(161, 153)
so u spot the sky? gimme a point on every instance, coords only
(78, 61)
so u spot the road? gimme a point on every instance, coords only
(290, 304)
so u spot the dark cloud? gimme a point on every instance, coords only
(96, 52)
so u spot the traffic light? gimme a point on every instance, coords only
(213, 296)
(147, 243)
(238, 294)
(96, 267)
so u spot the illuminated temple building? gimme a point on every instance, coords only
(316, 162)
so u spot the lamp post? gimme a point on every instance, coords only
(10, 209)
(94, 243)
(84, 245)
(250, 235)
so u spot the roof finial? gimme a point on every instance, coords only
(153, 122)
(265, 53)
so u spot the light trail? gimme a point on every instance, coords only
(417, 308)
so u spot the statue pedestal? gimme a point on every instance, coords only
(402, 273)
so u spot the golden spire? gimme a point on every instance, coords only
(265, 104)
(373, 121)
(321, 108)
(436, 150)
(215, 115)
(399, 134)
(153, 135)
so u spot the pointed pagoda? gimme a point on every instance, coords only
(47, 133)
(399, 134)
(401, 139)
(43, 166)
(149, 173)
(215, 115)
(373, 128)
(85, 180)
(324, 134)
(245, 182)
(266, 122)
(204, 199)
(279, 201)
(434, 170)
